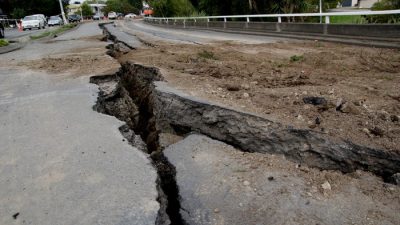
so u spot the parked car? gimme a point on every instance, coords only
(43, 17)
(131, 16)
(74, 18)
(97, 16)
(55, 20)
(120, 15)
(29, 22)
(112, 15)
(1, 29)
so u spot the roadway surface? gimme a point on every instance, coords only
(192, 36)
(15, 33)
(61, 163)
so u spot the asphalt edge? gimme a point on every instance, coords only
(18, 43)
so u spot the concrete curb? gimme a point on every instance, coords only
(48, 38)
(11, 47)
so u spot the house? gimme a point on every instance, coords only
(365, 4)
(75, 6)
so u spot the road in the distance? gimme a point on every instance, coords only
(15, 33)
(194, 36)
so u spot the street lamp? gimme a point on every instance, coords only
(62, 12)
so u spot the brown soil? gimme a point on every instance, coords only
(87, 61)
(79, 61)
(361, 85)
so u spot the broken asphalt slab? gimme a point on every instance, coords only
(60, 161)
(116, 34)
(221, 185)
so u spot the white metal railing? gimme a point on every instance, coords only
(327, 16)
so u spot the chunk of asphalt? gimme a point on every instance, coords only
(315, 100)
(218, 185)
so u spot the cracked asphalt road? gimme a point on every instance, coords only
(60, 161)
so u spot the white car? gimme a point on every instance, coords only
(131, 16)
(29, 22)
(43, 17)
(112, 15)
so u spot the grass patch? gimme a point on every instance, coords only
(207, 55)
(296, 58)
(348, 19)
(3, 42)
(53, 32)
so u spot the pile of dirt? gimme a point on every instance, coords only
(347, 92)
(72, 63)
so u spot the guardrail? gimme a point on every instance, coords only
(227, 23)
(9, 22)
(327, 16)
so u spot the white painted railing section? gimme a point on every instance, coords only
(279, 16)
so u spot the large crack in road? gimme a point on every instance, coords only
(152, 110)
(135, 110)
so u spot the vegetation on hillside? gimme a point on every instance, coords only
(19, 8)
(86, 10)
(236, 7)
(385, 5)
(123, 6)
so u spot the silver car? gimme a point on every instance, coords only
(55, 20)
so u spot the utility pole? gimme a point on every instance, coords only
(62, 12)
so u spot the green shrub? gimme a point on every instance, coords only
(385, 5)
(54, 32)
(207, 55)
(348, 19)
(295, 58)
(3, 42)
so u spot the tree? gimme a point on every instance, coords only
(237, 7)
(18, 13)
(86, 10)
(121, 6)
(385, 5)
(20, 8)
(137, 4)
(168, 8)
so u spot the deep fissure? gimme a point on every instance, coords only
(114, 103)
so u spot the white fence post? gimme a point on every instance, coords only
(327, 20)
(224, 22)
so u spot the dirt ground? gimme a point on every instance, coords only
(347, 92)
(81, 61)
